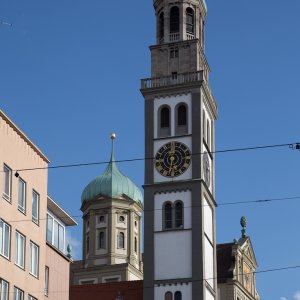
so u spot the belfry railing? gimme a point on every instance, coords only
(173, 79)
(178, 79)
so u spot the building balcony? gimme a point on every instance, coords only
(190, 36)
(174, 79)
(191, 78)
(174, 37)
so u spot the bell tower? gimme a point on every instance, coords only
(179, 189)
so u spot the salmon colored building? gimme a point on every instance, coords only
(33, 264)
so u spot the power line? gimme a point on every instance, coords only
(278, 269)
(259, 201)
(292, 146)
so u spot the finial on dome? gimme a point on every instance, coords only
(112, 137)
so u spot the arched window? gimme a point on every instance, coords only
(165, 117)
(135, 245)
(121, 240)
(164, 121)
(168, 296)
(181, 119)
(101, 240)
(190, 20)
(168, 216)
(178, 296)
(178, 214)
(161, 27)
(208, 134)
(174, 19)
(181, 115)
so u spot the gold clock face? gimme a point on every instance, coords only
(173, 159)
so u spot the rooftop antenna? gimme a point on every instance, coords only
(5, 23)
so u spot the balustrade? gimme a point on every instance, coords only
(174, 37)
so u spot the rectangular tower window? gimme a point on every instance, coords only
(34, 259)
(101, 240)
(173, 52)
(20, 250)
(174, 75)
(21, 195)
(31, 298)
(35, 207)
(4, 239)
(7, 183)
(4, 289)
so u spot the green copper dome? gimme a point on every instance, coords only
(112, 183)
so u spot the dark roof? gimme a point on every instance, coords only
(129, 290)
(224, 261)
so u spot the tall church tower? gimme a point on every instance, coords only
(180, 110)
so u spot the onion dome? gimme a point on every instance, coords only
(112, 184)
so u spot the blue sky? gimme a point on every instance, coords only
(70, 74)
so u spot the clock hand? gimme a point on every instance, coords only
(171, 165)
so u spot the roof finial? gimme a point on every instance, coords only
(243, 223)
(112, 137)
(69, 249)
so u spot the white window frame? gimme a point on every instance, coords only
(121, 233)
(4, 239)
(22, 206)
(54, 219)
(35, 219)
(101, 246)
(31, 298)
(20, 250)
(7, 169)
(88, 281)
(34, 261)
(4, 289)
(18, 294)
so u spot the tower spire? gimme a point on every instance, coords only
(112, 137)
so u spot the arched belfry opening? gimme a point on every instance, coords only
(190, 23)
(174, 23)
(179, 33)
(161, 27)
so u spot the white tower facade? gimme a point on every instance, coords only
(180, 110)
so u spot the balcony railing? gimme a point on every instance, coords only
(190, 36)
(173, 79)
(177, 79)
(174, 37)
